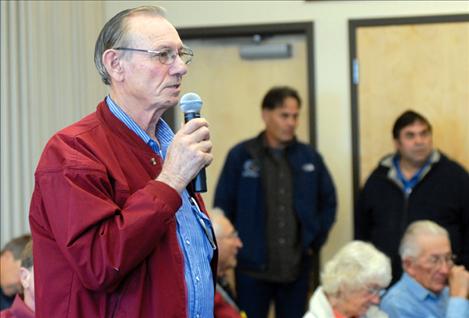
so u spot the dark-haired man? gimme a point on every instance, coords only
(10, 263)
(24, 305)
(279, 195)
(416, 182)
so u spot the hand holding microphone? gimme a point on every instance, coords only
(190, 105)
(190, 151)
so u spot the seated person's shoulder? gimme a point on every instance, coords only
(396, 302)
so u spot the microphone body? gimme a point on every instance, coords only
(191, 104)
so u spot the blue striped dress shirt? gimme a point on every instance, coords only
(194, 229)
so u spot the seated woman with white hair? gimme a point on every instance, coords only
(351, 283)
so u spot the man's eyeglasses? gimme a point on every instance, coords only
(438, 260)
(165, 56)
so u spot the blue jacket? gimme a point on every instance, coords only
(240, 194)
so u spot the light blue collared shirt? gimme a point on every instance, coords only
(408, 299)
(194, 229)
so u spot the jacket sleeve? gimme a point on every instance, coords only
(465, 221)
(227, 187)
(101, 241)
(327, 204)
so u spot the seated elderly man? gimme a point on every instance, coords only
(24, 307)
(428, 266)
(351, 283)
(228, 245)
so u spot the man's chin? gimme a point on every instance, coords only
(438, 288)
(10, 291)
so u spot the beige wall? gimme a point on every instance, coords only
(43, 77)
(332, 72)
(48, 81)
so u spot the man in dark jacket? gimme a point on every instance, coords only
(417, 182)
(280, 197)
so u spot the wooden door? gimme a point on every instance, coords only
(232, 90)
(419, 65)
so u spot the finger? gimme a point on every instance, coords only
(199, 135)
(208, 158)
(205, 146)
(193, 125)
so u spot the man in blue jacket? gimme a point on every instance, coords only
(280, 197)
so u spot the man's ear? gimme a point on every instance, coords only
(408, 266)
(265, 112)
(113, 65)
(25, 276)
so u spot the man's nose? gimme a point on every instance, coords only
(445, 267)
(292, 121)
(178, 67)
(375, 299)
(239, 243)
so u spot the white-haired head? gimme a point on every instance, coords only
(115, 33)
(217, 216)
(409, 244)
(228, 241)
(356, 265)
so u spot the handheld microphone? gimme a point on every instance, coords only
(190, 104)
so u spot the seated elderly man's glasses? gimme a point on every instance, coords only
(438, 260)
(165, 56)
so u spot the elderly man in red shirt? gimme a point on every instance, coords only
(118, 231)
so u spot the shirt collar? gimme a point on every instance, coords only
(163, 132)
(266, 146)
(416, 289)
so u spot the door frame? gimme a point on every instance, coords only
(353, 26)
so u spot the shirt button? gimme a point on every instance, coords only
(188, 242)
(197, 278)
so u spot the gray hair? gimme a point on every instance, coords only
(215, 215)
(356, 265)
(114, 34)
(409, 246)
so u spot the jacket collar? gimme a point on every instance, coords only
(392, 174)
(262, 145)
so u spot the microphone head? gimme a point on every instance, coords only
(190, 103)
